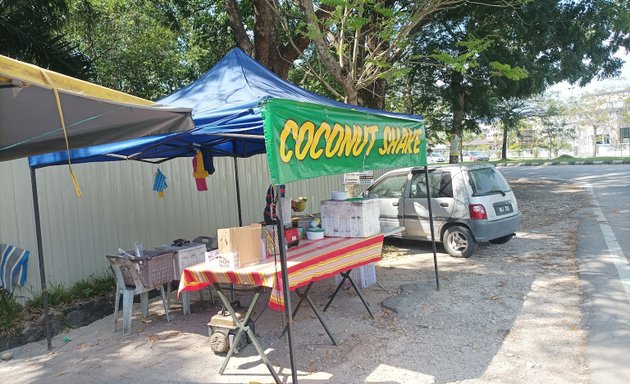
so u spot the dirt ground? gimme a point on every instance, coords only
(509, 314)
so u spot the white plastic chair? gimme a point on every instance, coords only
(118, 263)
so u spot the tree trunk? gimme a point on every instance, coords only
(594, 141)
(236, 23)
(374, 97)
(505, 140)
(273, 54)
(265, 49)
(458, 120)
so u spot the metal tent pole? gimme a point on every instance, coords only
(426, 178)
(238, 193)
(40, 255)
(285, 283)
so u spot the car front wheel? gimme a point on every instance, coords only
(458, 241)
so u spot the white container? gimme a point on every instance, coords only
(350, 218)
(185, 256)
(314, 233)
(139, 248)
(212, 256)
(364, 276)
(367, 275)
(286, 210)
(338, 195)
(229, 260)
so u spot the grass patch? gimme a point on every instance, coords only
(13, 313)
(97, 286)
(10, 311)
(58, 295)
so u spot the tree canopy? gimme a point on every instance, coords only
(474, 57)
(33, 31)
(453, 61)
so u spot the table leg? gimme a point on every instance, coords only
(365, 304)
(304, 296)
(310, 303)
(301, 296)
(242, 327)
(346, 275)
(186, 303)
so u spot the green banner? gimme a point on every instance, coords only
(305, 140)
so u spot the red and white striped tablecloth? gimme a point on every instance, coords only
(310, 261)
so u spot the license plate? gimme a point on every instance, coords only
(503, 208)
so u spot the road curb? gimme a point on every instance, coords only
(550, 163)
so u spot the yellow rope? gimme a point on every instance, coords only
(75, 182)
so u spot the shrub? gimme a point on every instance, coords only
(84, 289)
(96, 286)
(10, 310)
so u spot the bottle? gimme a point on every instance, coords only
(139, 249)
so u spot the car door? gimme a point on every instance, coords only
(416, 212)
(389, 191)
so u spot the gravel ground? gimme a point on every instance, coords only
(509, 314)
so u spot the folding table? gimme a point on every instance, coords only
(311, 261)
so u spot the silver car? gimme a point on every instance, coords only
(435, 157)
(471, 204)
(475, 156)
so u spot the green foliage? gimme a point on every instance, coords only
(96, 286)
(10, 310)
(149, 49)
(32, 31)
(58, 295)
(512, 73)
(466, 54)
(471, 56)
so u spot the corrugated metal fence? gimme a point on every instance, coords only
(119, 207)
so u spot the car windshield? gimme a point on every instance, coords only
(486, 181)
(390, 187)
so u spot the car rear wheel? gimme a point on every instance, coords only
(502, 239)
(458, 241)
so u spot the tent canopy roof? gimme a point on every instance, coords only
(225, 103)
(30, 120)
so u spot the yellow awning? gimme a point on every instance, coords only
(14, 71)
(42, 111)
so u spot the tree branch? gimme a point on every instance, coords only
(327, 59)
(236, 22)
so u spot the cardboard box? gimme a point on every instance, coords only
(350, 218)
(244, 241)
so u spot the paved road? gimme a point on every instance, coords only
(603, 252)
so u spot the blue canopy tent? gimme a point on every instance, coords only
(228, 122)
